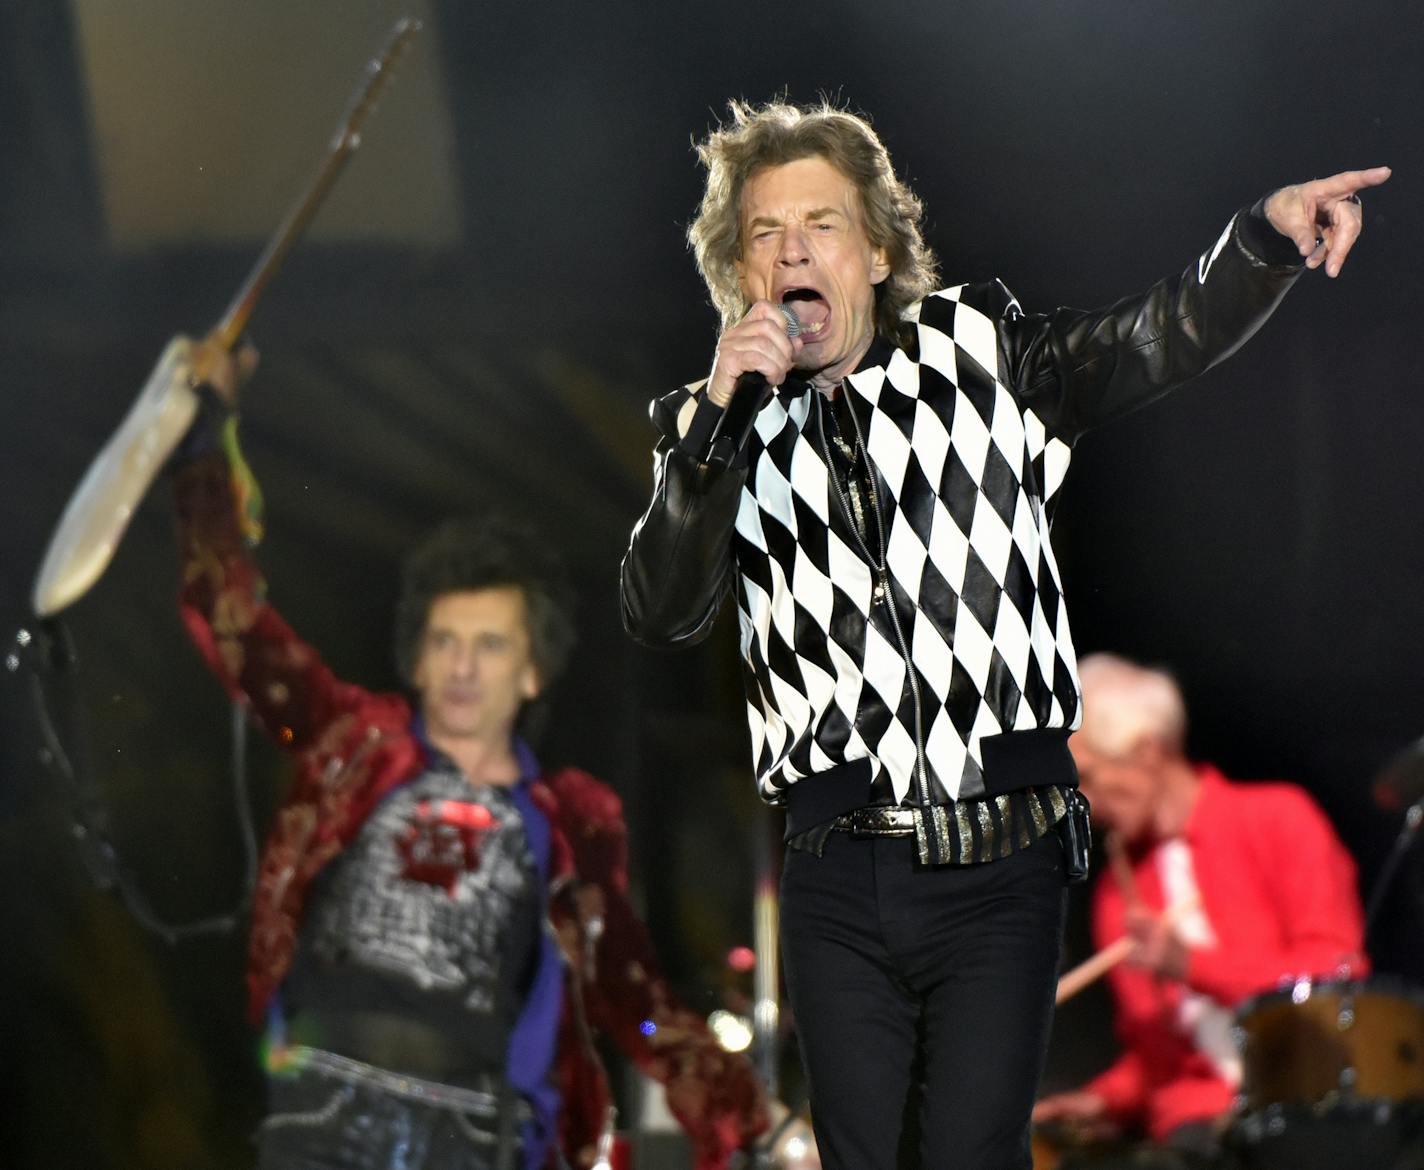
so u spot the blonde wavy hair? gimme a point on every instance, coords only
(757, 137)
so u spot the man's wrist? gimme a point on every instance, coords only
(1259, 237)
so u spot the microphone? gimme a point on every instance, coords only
(748, 397)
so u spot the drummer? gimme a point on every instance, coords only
(1225, 890)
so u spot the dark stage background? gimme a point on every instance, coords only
(478, 319)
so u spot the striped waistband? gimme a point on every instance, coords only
(965, 832)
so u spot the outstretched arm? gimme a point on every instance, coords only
(1079, 369)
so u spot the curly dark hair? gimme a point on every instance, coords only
(757, 137)
(487, 552)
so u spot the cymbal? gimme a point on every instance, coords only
(1401, 783)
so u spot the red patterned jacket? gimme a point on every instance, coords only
(351, 748)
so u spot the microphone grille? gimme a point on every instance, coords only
(793, 322)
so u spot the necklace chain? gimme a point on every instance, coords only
(854, 452)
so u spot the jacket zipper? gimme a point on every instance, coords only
(882, 575)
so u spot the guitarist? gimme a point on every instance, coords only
(440, 923)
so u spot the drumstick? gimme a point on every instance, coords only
(1092, 969)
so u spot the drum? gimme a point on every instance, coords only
(1333, 1075)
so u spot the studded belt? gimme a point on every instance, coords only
(879, 821)
(964, 831)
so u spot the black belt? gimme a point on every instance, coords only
(966, 832)
(879, 821)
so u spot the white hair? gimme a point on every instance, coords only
(1124, 703)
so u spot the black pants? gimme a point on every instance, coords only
(922, 995)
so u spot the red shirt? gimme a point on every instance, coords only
(1277, 892)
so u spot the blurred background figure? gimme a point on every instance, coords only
(1224, 890)
(419, 1013)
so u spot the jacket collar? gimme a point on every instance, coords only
(867, 375)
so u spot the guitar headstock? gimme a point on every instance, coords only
(380, 73)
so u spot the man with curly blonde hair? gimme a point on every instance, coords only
(882, 515)
(782, 134)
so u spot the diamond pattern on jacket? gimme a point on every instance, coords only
(966, 475)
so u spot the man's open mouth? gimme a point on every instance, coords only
(810, 308)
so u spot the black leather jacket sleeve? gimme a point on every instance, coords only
(1080, 369)
(678, 567)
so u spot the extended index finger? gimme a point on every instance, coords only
(1348, 182)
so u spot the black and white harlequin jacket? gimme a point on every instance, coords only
(934, 652)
